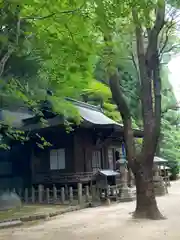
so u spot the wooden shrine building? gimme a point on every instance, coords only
(72, 157)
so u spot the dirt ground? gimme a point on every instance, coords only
(105, 223)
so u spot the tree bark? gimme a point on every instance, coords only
(146, 205)
(120, 101)
(141, 166)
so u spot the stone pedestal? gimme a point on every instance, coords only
(125, 192)
(159, 186)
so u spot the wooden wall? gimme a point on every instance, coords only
(83, 146)
(79, 145)
(41, 157)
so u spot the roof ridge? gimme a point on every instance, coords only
(24, 109)
(85, 105)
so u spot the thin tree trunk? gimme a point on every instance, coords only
(119, 99)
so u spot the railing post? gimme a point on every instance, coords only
(62, 195)
(47, 196)
(54, 193)
(71, 195)
(26, 195)
(40, 193)
(66, 192)
(33, 195)
(87, 193)
(79, 193)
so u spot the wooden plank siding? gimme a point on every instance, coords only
(79, 146)
(41, 157)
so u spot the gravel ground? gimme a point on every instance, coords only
(104, 223)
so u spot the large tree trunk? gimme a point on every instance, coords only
(146, 206)
(142, 165)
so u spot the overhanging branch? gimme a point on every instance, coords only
(163, 42)
(173, 47)
(54, 14)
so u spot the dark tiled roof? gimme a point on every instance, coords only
(92, 115)
(15, 118)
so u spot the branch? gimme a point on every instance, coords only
(4, 59)
(146, 88)
(135, 65)
(70, 33)
(54, 13)
(159, 22)
(169, 27)
(18, 29)
(154, 33)
(120, 101)
(164, 45)
(175, 46)
(139, 34)
(9, 48)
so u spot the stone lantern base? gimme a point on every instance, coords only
(159, 186)
(126, 194)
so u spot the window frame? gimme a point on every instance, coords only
(96, 163)
(58, 158)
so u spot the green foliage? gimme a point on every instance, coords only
(111, 111)
(53, 37)
(52, 48)
(98, 89)
(42, 142)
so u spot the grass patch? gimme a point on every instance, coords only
(28, 210)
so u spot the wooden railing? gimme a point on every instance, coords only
(71, 195)
(52, 177)
(77, 195)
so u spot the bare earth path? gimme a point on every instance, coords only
(106, 223)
